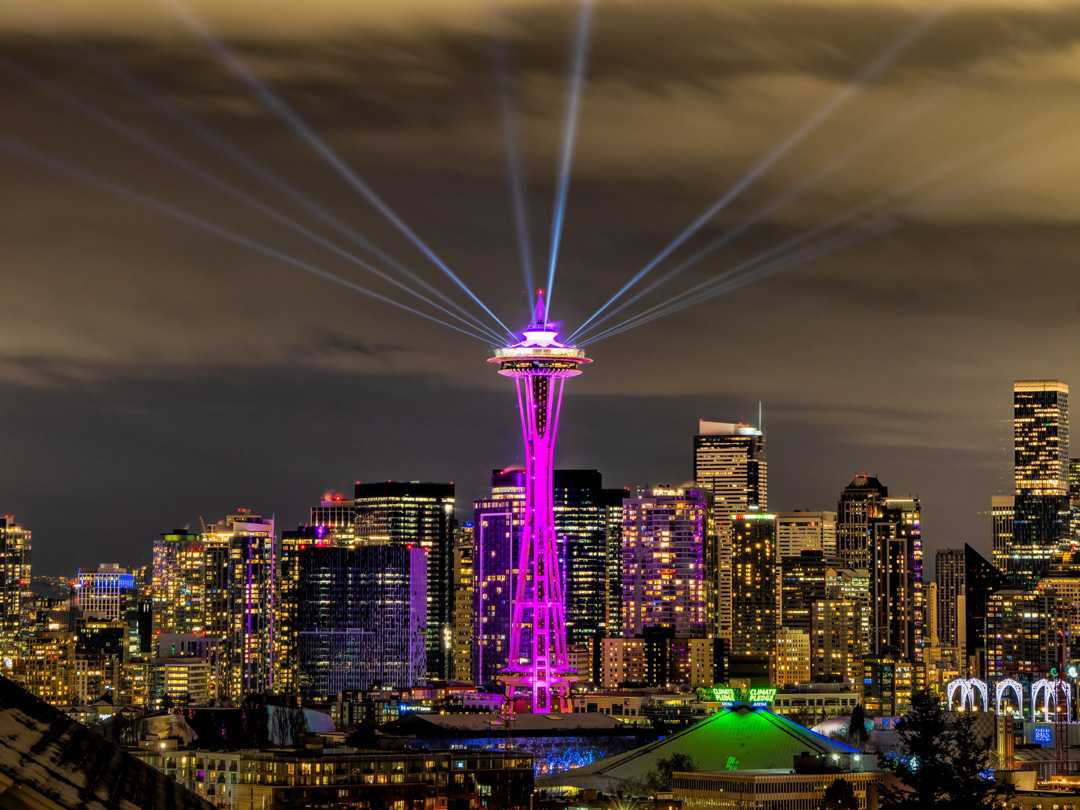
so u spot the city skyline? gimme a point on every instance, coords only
(187, 337)
(274, 534)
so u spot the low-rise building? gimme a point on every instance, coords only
(769, 790)
(811, 703)
(281, 779)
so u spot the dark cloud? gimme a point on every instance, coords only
(151, 372)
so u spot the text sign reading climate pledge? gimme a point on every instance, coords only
(756, 695)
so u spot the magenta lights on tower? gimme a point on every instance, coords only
(539, 669)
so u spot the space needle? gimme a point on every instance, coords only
(539, 666)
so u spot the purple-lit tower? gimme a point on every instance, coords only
(539, 670)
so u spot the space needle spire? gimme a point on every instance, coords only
(539, 667)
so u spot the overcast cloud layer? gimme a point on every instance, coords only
(151, 373)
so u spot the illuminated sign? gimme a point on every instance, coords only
(756, 696)
(719, 694)
(760, 695)
(1042, 735)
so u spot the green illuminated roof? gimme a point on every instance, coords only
(740, 738)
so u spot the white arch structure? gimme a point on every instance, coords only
(1003, 688)
(967, 687)
(1051, 690)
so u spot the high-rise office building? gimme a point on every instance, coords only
(806, 531)
(464, 613)
(756, 587)
(792, 657)
(1074, 499)
(896, 580)
(1066, 622)
(1002, 510)
(836, 647)
(950, 610)
(803, 580)
(105, 593)
(337, 515)
(861, 502)
(421, 514)
(933, 625)
(730, 464)
(15, 547)
(581, 536)
(663, 541)
(613, 512)
(1020, 634)
(246, 543)
(853, 585)
(497, 526)
(1042, 516)
(294, 545)
(179, 582)
(981, 579)
(361, 618)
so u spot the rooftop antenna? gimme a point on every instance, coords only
(761, 415)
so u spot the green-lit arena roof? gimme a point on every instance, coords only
(742, 738)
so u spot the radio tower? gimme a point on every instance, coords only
(539, 667)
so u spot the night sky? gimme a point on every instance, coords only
(152, 373)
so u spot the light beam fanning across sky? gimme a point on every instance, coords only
(173, 158)
(514, 172)
(62, 167)
(302, 130)
(566, 158)
(845, 94)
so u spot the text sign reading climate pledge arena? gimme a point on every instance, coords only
(755, 696)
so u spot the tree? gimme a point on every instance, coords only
(943, 763)
(840, 795)
(856, 730)
(660, 777)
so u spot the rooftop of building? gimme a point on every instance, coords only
(707, 427)
(48, 760)
(1041, 385)
(493, 725)
(738, 738)
(867, 481)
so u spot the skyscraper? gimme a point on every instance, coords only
(663, 561)
(248, 544)
(950, 608)
(836, 649)
(792, 657)
(862, 501)
(1020, 637)
(981, 579)
(464, 623)
(361, 618)
(15, 546)
(756, 586)
(806, 531)
(1042, 517)
(421, 514)
(1074, 499)
(581, 530)
(730, 464)
(612, 500)
(896, 580)
(497, 526)
(179, 583)
(104, 593)
(1002, 510)
(803, 579)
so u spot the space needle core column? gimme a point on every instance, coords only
(539, 667)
